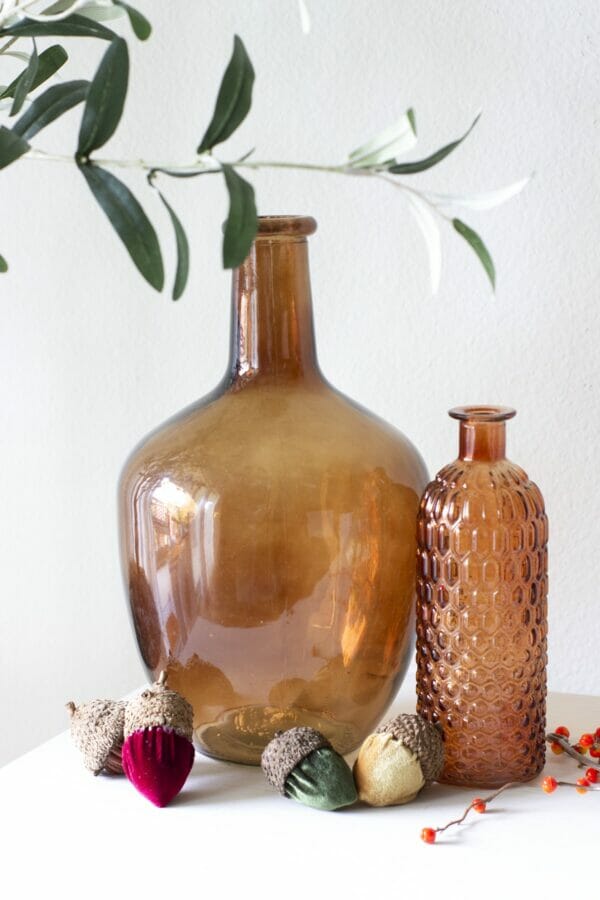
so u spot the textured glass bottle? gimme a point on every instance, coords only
(482, 608)
(268, 531)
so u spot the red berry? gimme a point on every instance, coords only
(597, 734)
(478, 805)
(556, 748)
(563, 730)
(579, 748)
(549, 784)
(592, 775)
(584, 784)
(595, 752)
(586, 740)
(428, 835)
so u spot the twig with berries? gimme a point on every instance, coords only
(588, 743)
(478, 805)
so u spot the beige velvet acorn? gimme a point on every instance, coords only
(398, 760)
(97, 731)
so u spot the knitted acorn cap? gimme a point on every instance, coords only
(422, 738)
(283, 753)
(97, 730)
(159, 706)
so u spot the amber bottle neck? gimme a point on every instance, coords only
(272, 321)
(482, 441)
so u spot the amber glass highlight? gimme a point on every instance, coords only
(482, 608)
(268, 531)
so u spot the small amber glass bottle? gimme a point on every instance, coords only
(482, 608)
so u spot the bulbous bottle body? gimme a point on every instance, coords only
(268, 533)
(482, 609)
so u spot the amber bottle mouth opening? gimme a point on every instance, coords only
(482, 413)
(285, 227)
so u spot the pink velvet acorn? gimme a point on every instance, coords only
(158, 753)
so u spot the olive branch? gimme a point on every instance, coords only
(103, 99)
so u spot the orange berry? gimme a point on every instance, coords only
(584, 784)
(592, 775)
(428, 835)
(556, 748)
(478, 805)
(579, 748)
(563, 730)
(549, 784)
(595, 752)
(586, 740)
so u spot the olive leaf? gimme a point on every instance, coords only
(480, 202)
(422, 165)
(73, 26)
(3, 265)
(431, 235)
(49, 106)
(49, 62)
(12, 146)
(241, 225)
(140, 24)
(385, 146)
(234, 98)
(483, 254)
(129, 221)
(183, 251)
(25, 82)
(105, 99)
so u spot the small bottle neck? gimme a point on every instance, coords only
(482, 441)
(272, 335)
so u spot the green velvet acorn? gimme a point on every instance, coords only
(301, 763)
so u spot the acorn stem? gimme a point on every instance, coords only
(162, 678)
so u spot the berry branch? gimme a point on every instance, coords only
(479, 805)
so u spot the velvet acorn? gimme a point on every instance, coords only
(399, 759)
(97, 731)
(301, 763)
(158, 753)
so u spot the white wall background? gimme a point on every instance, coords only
(91, 358)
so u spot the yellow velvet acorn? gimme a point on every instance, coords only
(399, 759)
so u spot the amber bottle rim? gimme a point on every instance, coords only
(285, 226)
(482, 413)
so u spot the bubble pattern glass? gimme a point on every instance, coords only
(482, 608)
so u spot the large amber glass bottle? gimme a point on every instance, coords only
(268, 531)
(481, 608)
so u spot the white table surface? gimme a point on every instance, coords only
(64, 833)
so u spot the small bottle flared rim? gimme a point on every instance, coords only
(274, 226)
(482, 413)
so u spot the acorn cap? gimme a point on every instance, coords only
(97, 730)
(162, 707)
(421, 737)
(288, 748)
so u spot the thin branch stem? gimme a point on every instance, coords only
(485, 800)
(209, 165)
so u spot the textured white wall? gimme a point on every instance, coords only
(91, 358)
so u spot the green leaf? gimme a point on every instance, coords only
(3, 265)
(73, 26)
(49, 62)
(129, 221)
(241, 224)
(410, 114)
(49, 106)
(25, 82)
(12, 146)
(385, 146)
(234, 98)
(422, 165)
(183, 251)
(105, 99)
(140, 24)
(472, 238)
